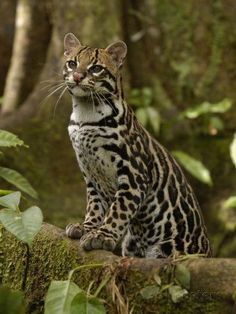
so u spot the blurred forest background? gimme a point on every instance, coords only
(179, 76)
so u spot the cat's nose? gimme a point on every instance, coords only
(78, 76)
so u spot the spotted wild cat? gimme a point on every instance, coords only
(136, 191)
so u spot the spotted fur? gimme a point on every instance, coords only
(136, 192)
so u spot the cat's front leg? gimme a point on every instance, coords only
(94, 215)
(123, 209)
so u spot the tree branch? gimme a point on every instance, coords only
(52, 256)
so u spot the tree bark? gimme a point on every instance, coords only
(32, 36)
(52, 256)
(7, 9)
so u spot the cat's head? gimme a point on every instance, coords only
(92, 70)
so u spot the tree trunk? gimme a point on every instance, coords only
(52, 256)
(32, 36)
(7, 9)
(140, 32)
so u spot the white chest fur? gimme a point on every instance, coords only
(94, 161)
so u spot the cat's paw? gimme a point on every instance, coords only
(95, 240)
(75, 231)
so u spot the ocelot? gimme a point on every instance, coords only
(137, 195)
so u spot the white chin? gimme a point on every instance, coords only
(79, 92)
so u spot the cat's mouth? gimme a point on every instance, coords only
(79, 89)
(84, 87)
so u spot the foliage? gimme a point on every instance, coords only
(23, 225)
(233, 150)
(65, 297)
(11, 301)
(177, 293)
(227, 213)
(207, 116)
(182, 275)
(207, 108)
(15, 178)
(194, 166)
(8, 139)
(230, 202)
(85, 304)
(11, 201)
(149, 292)
(177, 288)
(141, 100)
(59, 297)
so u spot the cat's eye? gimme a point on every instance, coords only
(96, 69)
(72, 64)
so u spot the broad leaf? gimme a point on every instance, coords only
(142, 115)
(154, 119)
(11, 301)
(84, 304)
(149, 292)
(141, 97)
(23, 225)
(147, 95)
(59, 297)
(177, 293)
(11, 201)
(230, 202)
(18, 180)
(8, 139)
(233, 150)
(5, 192)
(194, 166)
(206, 107)
(157, 278)
(182, 274)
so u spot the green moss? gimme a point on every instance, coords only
(52, 256)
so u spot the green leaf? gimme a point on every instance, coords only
(11, 301)
(59, 297)
(233, 150)
(146, 96)
(206, 107)
(149, 292)
(84, 304)
(11, 201)
(157, 278)
(194, 166)
(141, 97)
(135, 98)
(5, 192)
(141, 114)
(154, 119)
(182, 274)
(177, 293)
(23, 225)
(230, 202)
(8, 139)
(216, 123)
(18, 180)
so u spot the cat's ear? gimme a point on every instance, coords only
(117, 51)
(71, 43)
